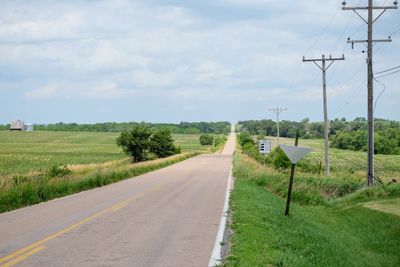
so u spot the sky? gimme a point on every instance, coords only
(92, 61)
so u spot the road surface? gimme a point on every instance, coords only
(169, 217)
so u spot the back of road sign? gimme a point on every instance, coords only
(295, 153)
(264, 146)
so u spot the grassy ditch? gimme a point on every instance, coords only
(20, 191)
(312, 189)
(329, 224)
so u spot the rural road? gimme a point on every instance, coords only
(169, 217)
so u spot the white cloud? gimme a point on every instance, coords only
(211, 70)
(47, 91)
(99, 90)
(242, 51)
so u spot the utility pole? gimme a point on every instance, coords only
(370, 21)
(277, 111)
(324, 68)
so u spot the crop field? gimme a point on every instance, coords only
(23, 152)
(387, 167)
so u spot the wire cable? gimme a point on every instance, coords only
(384, 88)
(381, 76)
(387, 70)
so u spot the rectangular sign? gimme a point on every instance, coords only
(264, 146)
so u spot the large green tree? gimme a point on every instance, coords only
(135, 142)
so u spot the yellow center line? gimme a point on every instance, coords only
(65, 230)
(22, 257)
(120, 206)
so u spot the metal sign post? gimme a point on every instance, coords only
(294, 153)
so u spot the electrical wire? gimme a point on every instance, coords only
(349, 99)
(295, 76)
(387, 70)
(381, 76)
(383, 90)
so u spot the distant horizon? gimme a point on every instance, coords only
(178, 122)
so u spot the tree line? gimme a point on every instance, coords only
(180, 128)
(344, 134)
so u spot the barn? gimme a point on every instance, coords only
(19, 125)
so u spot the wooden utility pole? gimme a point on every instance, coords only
(277, 111)
(370, 21)
(324, 68)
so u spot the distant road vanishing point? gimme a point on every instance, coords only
(169, 217)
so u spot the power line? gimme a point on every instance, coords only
(384, 88)
(350, 98)
(387, 70)
(339, 108)
(381, 76)
(295, 76)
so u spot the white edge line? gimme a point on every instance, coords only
(216, 254)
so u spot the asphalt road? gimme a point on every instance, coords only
(169, 217)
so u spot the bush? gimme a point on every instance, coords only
(219, 140)
(206, 139)
(162, 144)
(278, 159)
(251, 150)
(58, 171)
(244, 138)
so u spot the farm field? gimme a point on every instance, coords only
(23, 152)
(387, 167)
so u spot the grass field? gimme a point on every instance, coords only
(331, 222)
(22, 152)
(387, 167)
(29, 161)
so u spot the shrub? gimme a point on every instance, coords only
(58, 171)
(206, 139)
(279, 160)
(219, 140)
(244, 138)
(162, 144)
(251, 150)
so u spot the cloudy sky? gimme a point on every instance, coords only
(171, 61)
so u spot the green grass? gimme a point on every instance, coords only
(22, 152)
(321, 233)
(28, 190)
(388, 205)
(387, 167)
(29, 163)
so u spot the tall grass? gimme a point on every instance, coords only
(312, 189)
(20, 191)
